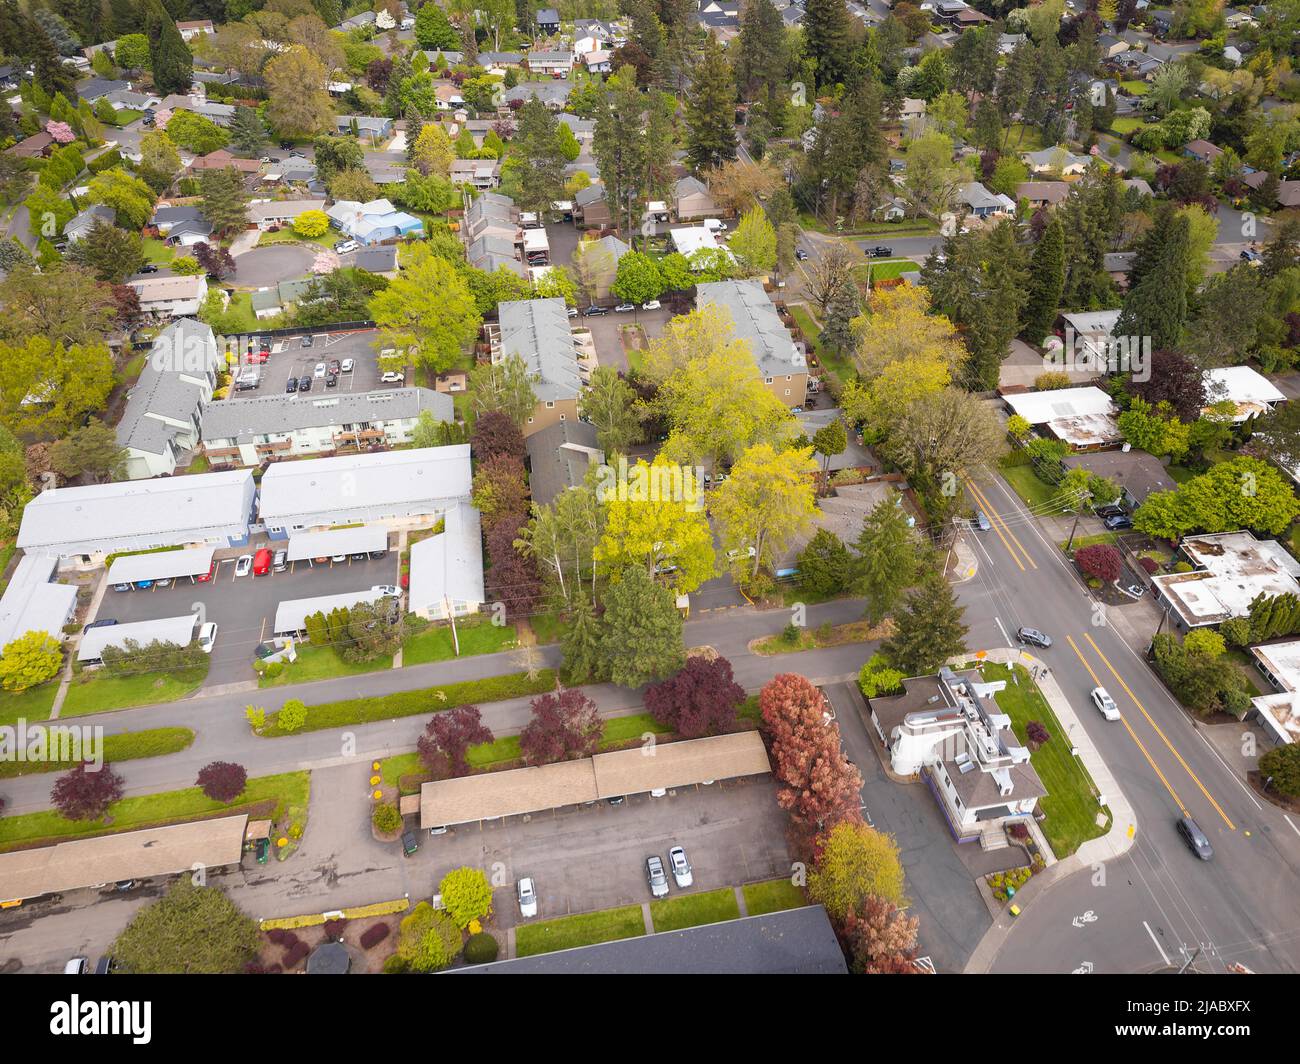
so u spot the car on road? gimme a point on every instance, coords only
(981, 522)
(77, 966)
(208, 637)
(320, 370)
(343, 247)
(291, 385)
(1251, 255)
(526, 890)
(393, 377)
(652, 304)
(654, 874)
(571, 312)
(103, 622)
(625, 308)
(244, 566)
(800, 254)
(594, 311)
(1034, 637)
(881, 251)
(308, 340)
(1116, 522)
(347, 365)
(681, 867)
(1196, 839)
(1104, 703)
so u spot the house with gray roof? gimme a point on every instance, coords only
(165, 408)
(450, 58)
(555, 63)
(982, 203)
(269, 213)
(555, 94)
(548, 21)
(92, 90)
(1056, 159)
(538, 331)
(600, 259)
(781, 363)
(491, 214)
(583, 129)
(559, 457)
(244, 432)
(276, 298)
(490, 248)
(365, 126)
(380, 260)
(80, 225)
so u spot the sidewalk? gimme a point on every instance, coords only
(1115, 843)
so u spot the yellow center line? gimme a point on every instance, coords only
(1177, 756)
(1131, 733)
(999, 524)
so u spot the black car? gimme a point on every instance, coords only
(308, 340)
(103, 622)
(800, 254)
(594, 311)
(291, 385)
(304, 384)
(360, 556)
(1034, 637)
(331, 381)
(1195, 838)
(1111, 510)
(375, 555)
(881, 252)
(148, 267)
(105, 966)
(1116, 522)
(409, 842)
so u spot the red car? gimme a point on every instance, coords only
(204, 578)
(262, 562)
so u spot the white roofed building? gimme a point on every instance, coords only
(1231, 569)
(1251, 392)
(1082, 417)
(447, 569)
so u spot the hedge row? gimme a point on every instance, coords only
(153, 742)
(409, 703)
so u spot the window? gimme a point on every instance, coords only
(550, 405)
(767, 380)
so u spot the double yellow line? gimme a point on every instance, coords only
(1000, 526)
(1133, 735)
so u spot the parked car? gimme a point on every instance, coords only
(335, 366)
(386, 590)
(105, 966)
(1251, 255)
(881, 251)
(625, 308)
(572, 312)
(594, 311)
(654, 874)
(1117, 522)
(291, 385)
(343, 247)
(376, 555)
(320, 370)
(652, 304)
(244, 566)
(393, 377)
(1034, 637)
(1113, 509)
(1195, 838)
(280, 562)
(1104, 703)
(262, 850)
(264, 343)
(103, 622)
(304, 384)
(332, 381)
(148, 267)
(526, 890)
(618, 799)
(681, 867)
(128, 586)
(438, 829)
(143, 585)
(308, 340)
(262, 562)
(77, 966)
(207, 637)
(409, 842)
(347, 365)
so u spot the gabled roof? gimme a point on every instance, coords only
(558, 458)
(168, 390)
(243, 420)
(537, 330)
(757, 322)
(448, 566)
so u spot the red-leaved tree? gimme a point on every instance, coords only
(819, 786)
(214, 260)
(222, 781)
(512, 579)
(700, 700)
(444, 746)
(880, 939)
(562, 727)
(83, 794)
(1100, 560)
(495, 433)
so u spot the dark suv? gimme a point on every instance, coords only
(1034, 637)
(1195, 838)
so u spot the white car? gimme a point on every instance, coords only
(527, 892)
(345, 246)
(393, 377)
(347, 366)
(1102, 700)
(386, 590)
(681, 867)
(244, 566)
(320, 370)
(653, 304)
(207, 637)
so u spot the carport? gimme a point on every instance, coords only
(291, 616)
(303, 546)
(162, 565)
(533, 790)
(178, 630)
(161, 851)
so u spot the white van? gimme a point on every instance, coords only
(715, 226)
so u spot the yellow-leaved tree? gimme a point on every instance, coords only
(765, 503)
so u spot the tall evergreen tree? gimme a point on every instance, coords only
(248, 133)
(580, 645)
(828, 40)
(762, 58)
(1156, 306)
(710, 110)
(996, 317)
(173, 65)
(641, 632)
(928, 629)
(1046, 282)
(887, 559)
(537, 142)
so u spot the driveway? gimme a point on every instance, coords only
(270, 265)
(606, 332)
(288, 358)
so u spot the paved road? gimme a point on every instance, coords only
(1159, 900)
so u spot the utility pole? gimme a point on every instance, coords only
(1190, 960)
(451, 615)
(1072, 532)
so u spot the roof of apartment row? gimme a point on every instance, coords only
(558, 458)
(178, 630)
(272, 209)
(124, 855)
(243, 420)
(164, 507)
(31, 603)
(154, 287)
(537, 330)
(448, 566)
(291, 615)
(319, 486)
(182, 352)
(756, 321)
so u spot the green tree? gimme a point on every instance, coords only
(1156, 305)
(825, 565)
(580, 645)
(506, 386)
(428, 940)
(754, 242)
(888, 559)
(433, 31)
(200, 135)
(764, 504)
(1046, 282)
(311, 224)
(91, 450)
(638, 279)
(828, 41)
(190, 930)
(641, 630)
(248, 133)
(829, 441)
(33, 658)
(466, 895)
(427, 310)
(224, 199)
(110, 253)
(160, 162)
(928, 629)
(171, 64)
(129, 196)
(70, 382)
(1281, 767)
(609, 403)
(299, 103)
(132, 52)
(856, 863)
(538, 147)
(710, 110)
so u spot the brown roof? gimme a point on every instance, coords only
(642, 769)
(126, 855)
(1288, 193)
(1051, 191)
(1139, 472)
(220, 159)
(916, 695)
(32, 146)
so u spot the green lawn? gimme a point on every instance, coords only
(1090, 541)
(1024, 138)
(1179, 474)
(125, 117)
(289, 792)
(1124, 126)
(288, 236)
(1135, 88)
(127, 746)
(1033, 492)
(320, 663)
(32, 705)
(833, 360)
(476, 637)
(585, 929)
(883, 269)
(548, 627)
(99, 692)
(772, 895)
(1070, 804)
(158, 252)
(239, 316)
(692, 910)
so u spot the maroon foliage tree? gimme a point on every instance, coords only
(1175, 379)
(222, 781)
(378, 73)
(83, 794)
(214, 260)
(500, 487)
(126, 301)
(447, 738)
(700, 700)
(562, 727)
(494, 434)
(512, 579)
(880, 939)
(1036, 733)
(334, 930)
(1100, 560)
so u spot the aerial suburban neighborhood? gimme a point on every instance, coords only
(693, 486)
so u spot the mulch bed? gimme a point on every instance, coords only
(1291, 805)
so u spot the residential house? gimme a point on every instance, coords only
(1083, 417)
(1138, 473)
(590, 211)
(982, 203)
(1288, 193)
(480, 173)
(1202, 151)
(80, 224)
(548, 21)
(583, 129)
(1229, 571)
(367, 127)
(1039, 194)
(32, 602)
(692, 199)
(491, 252)
(134, 101)
(554, 94)
(1232, 55)
(449, 58)
(273, 214)
(92, 90)
(1139, 63)
(491, 214)
(559, 457)
(165, 407)
(269, 302)
(37, 146)
(1248, 390)
(1057, 160)
(1111, 46)
(244, 432)
(911, 111)
(538, 331)
(599, 61)
(170, 296)
(373, 222)
(446, 576)
(222, 160)
(601, 259)
(555, 64)
(781, 363)
(1008, 42)
(381, 261)
(1279, 713)
(499, 62)
(217, 113)
(190, 30)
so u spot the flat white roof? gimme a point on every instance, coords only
(178, 630)
(31, 603)
(303, 545)
(1280, 714)
(1234, 568)
(450, 564)
(291, 616)
(1038, 408)
(163, 565)
(692, 239)
(1086, 430)
(1241, 384)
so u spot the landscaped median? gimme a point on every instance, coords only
(128, 746)
(825, 635)
(351, 711)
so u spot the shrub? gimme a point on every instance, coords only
(396, 965)
(1183, 567)
(879, 678)
(273, 669)
(296, 955)
(1236, 631)
(386, 818)
(1018, 831)
(372, 936)
(1100, 560)
(1150, 565)
(1018, 426)
(481, 948)
(1036, 733)
(790, 633)
(334, 930)
(1051, 381)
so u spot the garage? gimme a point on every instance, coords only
(163, 565)
(178, 630)
(366, 539)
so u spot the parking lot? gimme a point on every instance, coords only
(585, 858)
(244, 607)
(288, 358)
